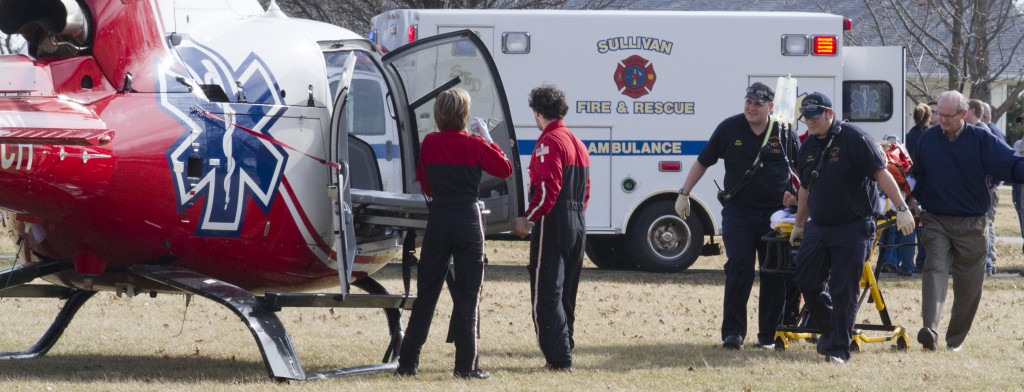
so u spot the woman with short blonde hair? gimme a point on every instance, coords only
(451, 109)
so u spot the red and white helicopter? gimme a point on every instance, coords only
(215, 148)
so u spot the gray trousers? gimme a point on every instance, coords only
(957, 244)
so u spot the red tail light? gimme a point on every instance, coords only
(847, 24)
(824, 45)
(670, 166)
(413, 32)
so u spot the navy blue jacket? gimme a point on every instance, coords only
(738, 145)
(951, 174)
(844, 190)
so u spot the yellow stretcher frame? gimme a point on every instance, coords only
(786, 333)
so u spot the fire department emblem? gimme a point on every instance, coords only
(834, 154)
(635, 76)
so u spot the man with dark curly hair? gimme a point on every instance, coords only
(559, 191)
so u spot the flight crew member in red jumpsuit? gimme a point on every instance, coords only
(559, 191)
(449, 172)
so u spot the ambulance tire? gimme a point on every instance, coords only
(661, 241)
(609, 252)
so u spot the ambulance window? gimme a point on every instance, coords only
(465, 48)
(867, 101)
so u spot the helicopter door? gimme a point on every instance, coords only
(459, 59)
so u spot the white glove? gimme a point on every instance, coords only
(479, 127)
(683, 206)
(905, 222)
(796, 236)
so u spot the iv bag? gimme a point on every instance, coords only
(785, 112)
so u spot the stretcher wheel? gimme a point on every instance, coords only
(780, 344)
(855, 345)
(902, 342)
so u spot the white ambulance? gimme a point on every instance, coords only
(647, 88)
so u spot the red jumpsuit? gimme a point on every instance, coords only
(559, 191)
(449, 171)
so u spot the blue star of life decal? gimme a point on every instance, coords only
(236, 166)
(864, 102)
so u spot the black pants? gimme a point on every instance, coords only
(452, 232)
(556, 258)
(829, 265)
(742, 230)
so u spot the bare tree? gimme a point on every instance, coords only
(963, 45)
(355, 14)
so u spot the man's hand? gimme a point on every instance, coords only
(479, 127)
(915, 209)
(683, 205)
(788, 199)
(905, 221)
(520, 227)
(796, 236)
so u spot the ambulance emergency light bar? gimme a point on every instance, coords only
(818, 45)
(802, 45)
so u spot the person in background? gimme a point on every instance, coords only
(450, 166)
(986, 117)
(757, 153)
(898, 253)
(935, 109)
(975, 111)
(559, 192)
(924, 118)
(951, 166)
(1018, 204)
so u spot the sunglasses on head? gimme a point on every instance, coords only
(761, 94)
(813, 107)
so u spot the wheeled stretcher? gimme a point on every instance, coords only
(781, 258)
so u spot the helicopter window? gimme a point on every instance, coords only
(366, 87)
(194, 167)
(214, 92)
(367, 100)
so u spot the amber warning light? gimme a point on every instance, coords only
(824, 45)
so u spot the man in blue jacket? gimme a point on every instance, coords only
(951, 162)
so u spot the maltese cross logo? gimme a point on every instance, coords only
(634, 77)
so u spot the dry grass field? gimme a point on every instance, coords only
(635, 331)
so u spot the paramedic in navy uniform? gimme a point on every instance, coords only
(840, 172)
(559, 191)
(754, 197)
(449, 171)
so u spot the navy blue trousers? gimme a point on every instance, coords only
(742, 229)
(556, 260)
(829, 264)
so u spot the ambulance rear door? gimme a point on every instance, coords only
(873, 89)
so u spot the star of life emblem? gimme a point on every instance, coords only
(236, 167)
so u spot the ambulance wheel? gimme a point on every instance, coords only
(661, 241)
(609, 252)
